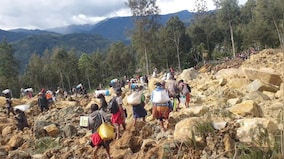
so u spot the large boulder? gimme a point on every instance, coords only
(266, 76)
(247, 108)
(229, 73)
(18, 154)
(188, 74)
(15, 142)
(184, 128)
(51, 130)
(258, 85)
(38, 128)
(69, 130)
(257, 130)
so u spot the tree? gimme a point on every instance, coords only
(175, 30)
(85, 66)
(59, 60)
(268, 22)
(227, 16)
(120, 60)
(8, 67)
(145, 12)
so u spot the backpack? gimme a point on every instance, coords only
(113, 106)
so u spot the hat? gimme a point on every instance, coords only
(118, 90)
(158, 84)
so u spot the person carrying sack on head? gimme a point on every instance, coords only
(21, 118)
(137, 100)
(161, 104)
(96, 119)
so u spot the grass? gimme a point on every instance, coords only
(46, 143)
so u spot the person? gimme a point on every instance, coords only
(184, 91)
(95, 120)
(146, 80)
(161, 104)
(155, 71)
(9, 104)
(22, 95)
(42, 102)
(21, 118)
(171, 87)
(172, 71)
(103, 103)
(118, 118)
(49, 97)
(139, 110)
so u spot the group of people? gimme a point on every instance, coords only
(99, 114)
(162, 104)
(19, 115)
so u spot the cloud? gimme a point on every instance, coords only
(45, 14)
(53, 13)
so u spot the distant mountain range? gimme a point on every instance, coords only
(111, 28)
(25, 42)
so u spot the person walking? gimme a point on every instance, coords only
(118, 117)
(42, 102)
(9, 103)
(21, 118)
(95, 120)
(185, 91)
(161, 105)
(139, 110)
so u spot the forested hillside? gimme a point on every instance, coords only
(230, 31)
(82, 43)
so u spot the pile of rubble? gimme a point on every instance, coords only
(234, 111)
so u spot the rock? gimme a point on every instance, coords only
(69, 130)
(229, 144)
(19, 154)
(197, 110)
(258, 85)
(223, 81)
(237, 83)
(51, 130)
(254, 131)
(263, 75)
(219, 125)
(7, 130)
(256, 96)
(247, 108)
(148, 143)
(184, 128)
(229, 73)
(15, 142)
(233, 101)
(3, 153)
(189, 74)
(38, 128)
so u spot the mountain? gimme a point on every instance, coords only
(84, 38)
(118, 28)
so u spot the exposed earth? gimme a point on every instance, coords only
(235, 112)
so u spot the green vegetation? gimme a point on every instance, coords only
(66, 60)
(45, 144)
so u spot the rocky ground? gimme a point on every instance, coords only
(235, 112)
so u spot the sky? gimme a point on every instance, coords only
(46, 14)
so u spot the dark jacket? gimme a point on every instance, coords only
(22, 120)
